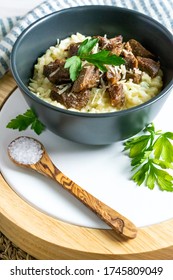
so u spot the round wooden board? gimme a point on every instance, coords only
(44, 237)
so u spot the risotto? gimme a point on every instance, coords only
(120, 87)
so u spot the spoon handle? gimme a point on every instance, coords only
(111, 217)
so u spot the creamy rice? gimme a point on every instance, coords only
(135, 94)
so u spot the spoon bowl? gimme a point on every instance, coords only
(29, 152)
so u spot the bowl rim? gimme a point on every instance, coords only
(26, 91)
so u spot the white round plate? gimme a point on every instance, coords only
(104, 171)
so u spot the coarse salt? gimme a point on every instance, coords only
(25, 150)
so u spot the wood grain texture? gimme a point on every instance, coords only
(47, 238)
(45, 166)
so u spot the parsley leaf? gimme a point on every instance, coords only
(151, 158)
(99, 59)
(29, 118)
(164, 180)
(140, 175)
(163, 148)
(75, 65)
(86, 46)
(137, 145)
(151, 178)
(37, 126)
(103, 57)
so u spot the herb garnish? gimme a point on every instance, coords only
(99, 59)
(29, 118)
(151, 155)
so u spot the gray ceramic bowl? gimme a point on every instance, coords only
(89, 128)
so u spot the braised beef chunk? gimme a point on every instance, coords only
(76, 94)
(73, 49)
(71, 100)
(117, 45)
(56, 73)
(138, 50)
(58, 90)
(136, 77)
(130, 60)
(117, 95)
(148, 65)
(114, 45)
(88, 78)
(102, 41)
(112, 77)
(127, 47)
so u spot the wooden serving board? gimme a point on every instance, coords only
(47, 238)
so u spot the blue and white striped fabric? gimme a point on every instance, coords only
(10, 28)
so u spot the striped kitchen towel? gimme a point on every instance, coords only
(10, 28)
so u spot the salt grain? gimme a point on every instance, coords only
(25, 150)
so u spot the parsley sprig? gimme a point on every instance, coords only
(99, 59)
(151, 157)
(29, 118)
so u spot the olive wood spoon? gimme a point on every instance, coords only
(111, 217)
